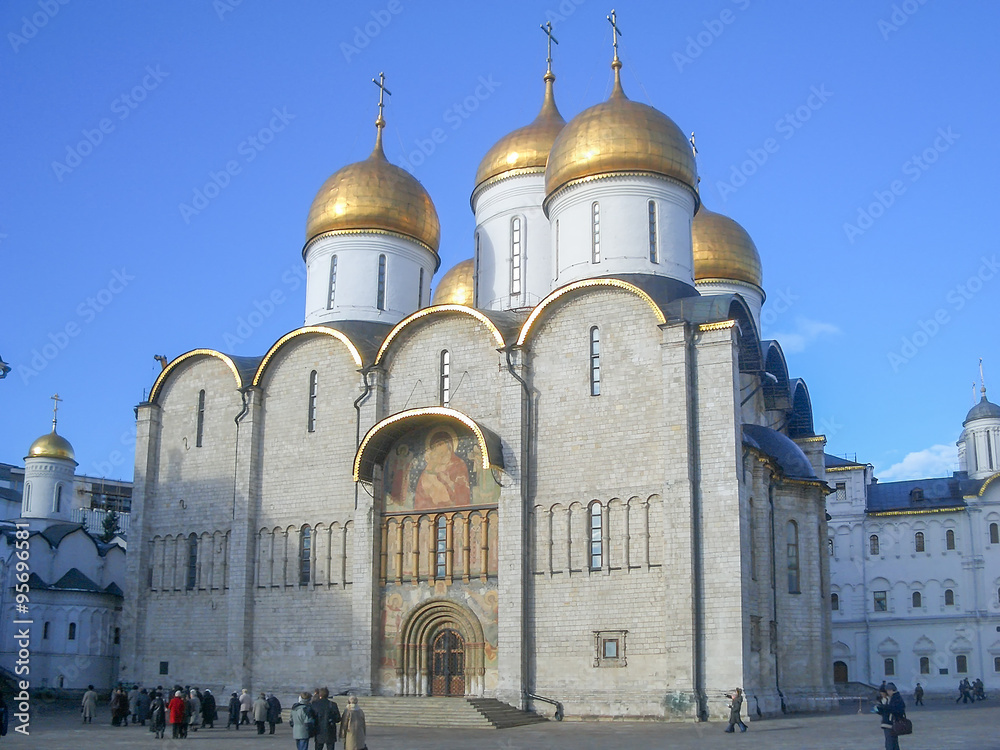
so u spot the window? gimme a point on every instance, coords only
(949, 598)
(200, 433)
(889, 667)
(441, 550)
(57, 503)
(27, 497)
(445, 378)
(873, 544)
(333, 282)
(829, 546)
(961, 664)
(515, 256)
(949, 539)
(420, 290)
(557, 248)
(609, 647)
(72, 631)
(841, 492)
(792, 544)
(45, 631)
(994, 534)
(835, 602)
(116, 636)
(925, 665)
(881, 603)
(380, 300)
(996, 663)
(164, 667)
(192, 568)
(595, 229)
(596, 541)
(311, 411)
(917, 600)
(595, 361)
(305, 556)
(918, 541)
(653, 257)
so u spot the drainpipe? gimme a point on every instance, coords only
(236, 457)
(357, 432)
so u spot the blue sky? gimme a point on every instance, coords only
(855, 141)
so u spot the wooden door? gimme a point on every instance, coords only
(448, 664)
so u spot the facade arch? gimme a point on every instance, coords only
(421, 628)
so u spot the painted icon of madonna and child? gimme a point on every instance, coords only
(436, 468)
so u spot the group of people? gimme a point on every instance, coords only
(183, 708)
(315, 716)
(971, 692)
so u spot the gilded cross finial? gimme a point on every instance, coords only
(615, 31)
(694, 148)
(981, 380)
(547, 28)
(382, 90)
(55, 409)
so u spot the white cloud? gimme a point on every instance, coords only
(936, 461)
(805, 332)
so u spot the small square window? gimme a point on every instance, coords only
(164, 667)
(610, 648)
(881, 601)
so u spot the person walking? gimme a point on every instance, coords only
(735, 707)
(260, 712)
(303, 722)
(890, 710)
(273, 712)
(157, 715)
(175, 715)
(119, 708)
(234, 712)
(327, 718)
(209, 712)
(194, 710)
(142, 707)
(133, 704)
(918, 695)
(88, 706)
(352, 726)
(246, 705)
(964, 691)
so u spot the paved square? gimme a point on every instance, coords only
(941, 725)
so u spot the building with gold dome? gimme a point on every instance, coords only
(576, 473)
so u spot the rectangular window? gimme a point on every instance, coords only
(918, 541)
(420, 290)
(609, 648)
(596, 541)
(45, 631)
(72, 631)
(595, 361)
(881, 601)
(305, 556)
(311, 410)
(441, 549)
(200, 433)
(925, 665)
(445, 378)
(595, 228)
(333, 282)
(961, 664)
(515, 256)
(949, 539)
(164, 667)
(475, 273)
(380, 300)
(835, 602)
(889, 665)
(192, 567)
(996, 663)
(653, 255)
(994, 534)
(792, 542)
(841, 492)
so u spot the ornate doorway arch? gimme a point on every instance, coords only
(443, 651)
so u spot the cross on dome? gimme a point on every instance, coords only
(55, 407)
(615, 31)
(547, 28)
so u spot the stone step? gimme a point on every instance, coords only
(482, 713)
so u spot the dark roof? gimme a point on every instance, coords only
(35, 583)
(832, 460)
(55, 533)
(74, 580)
(985, 409)
(781, 448)
(937, 494)
(112, 588)
(247, 367)
(367, 336)
(662, 289)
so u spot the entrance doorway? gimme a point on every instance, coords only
(448, 664)
(839, 672)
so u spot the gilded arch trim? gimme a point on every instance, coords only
(322, 330)
(585, 284)
(988, 482)
(436, 309)
(162, 377)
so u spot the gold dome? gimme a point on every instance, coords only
(619, 135)
(723, 250)
(456, 287)
(375, 195)
(52, 445)
(526, 149)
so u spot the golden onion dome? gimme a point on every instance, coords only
(52, 445)
(374, 195)
(456, 287)
(723, 250)
(619, 135)
(526, 149)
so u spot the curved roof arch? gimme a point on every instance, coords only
(486, 320)
(167, 371)
(583, 285)
(777, 393)
(305, 331)
(800, 422)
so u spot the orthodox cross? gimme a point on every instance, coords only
(382, 90)
(547, 28)
(55, 409)
(694, 148)
(615, 31)
(981, 381)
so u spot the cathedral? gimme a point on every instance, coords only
(575, 474)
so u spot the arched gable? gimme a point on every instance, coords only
(171, 368)
(800, 423)
(777, 394)
(308, 331)
(429, 313)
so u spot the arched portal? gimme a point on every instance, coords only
(839, 672)
(443, 651)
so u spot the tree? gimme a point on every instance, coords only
(110, 526)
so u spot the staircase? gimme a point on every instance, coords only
(458, 713)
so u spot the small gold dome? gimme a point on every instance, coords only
(619, 135)
(723, 250)
(51, 445)
(525, 149)
(375, 195)
(456, 287)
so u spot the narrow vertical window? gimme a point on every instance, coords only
(200, 434)
(380, 302)
(72, 632)
(835, 602)
(420, 290)
(873, 544)
(311, 411)
(441, 548)
(989, 451)
(333, 282)
(45, 631)
(445, 378)
(305, 556)
(961, 664)
(595, 361)
(925, 665)
(57, 502)
(653, 255)
(595, 231)
(830, 547)
(916, 600)
(994, 534)
(116, 636)
(557, 248)
(27, 497)
(949, 539)
(792, 542)
(918, 541)
(596, 542)
(192, 566)
(890, 667)
(515, 256)
(949, 598)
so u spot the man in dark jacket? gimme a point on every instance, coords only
(273, 711)
(327, 718)
(234, 711)
(208, 709)
(894, 709)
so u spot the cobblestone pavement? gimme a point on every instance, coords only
(939, 726)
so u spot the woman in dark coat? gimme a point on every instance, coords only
(157, 715)
(234, 712)
(142, 707)
(119, 707)
(208, 711)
